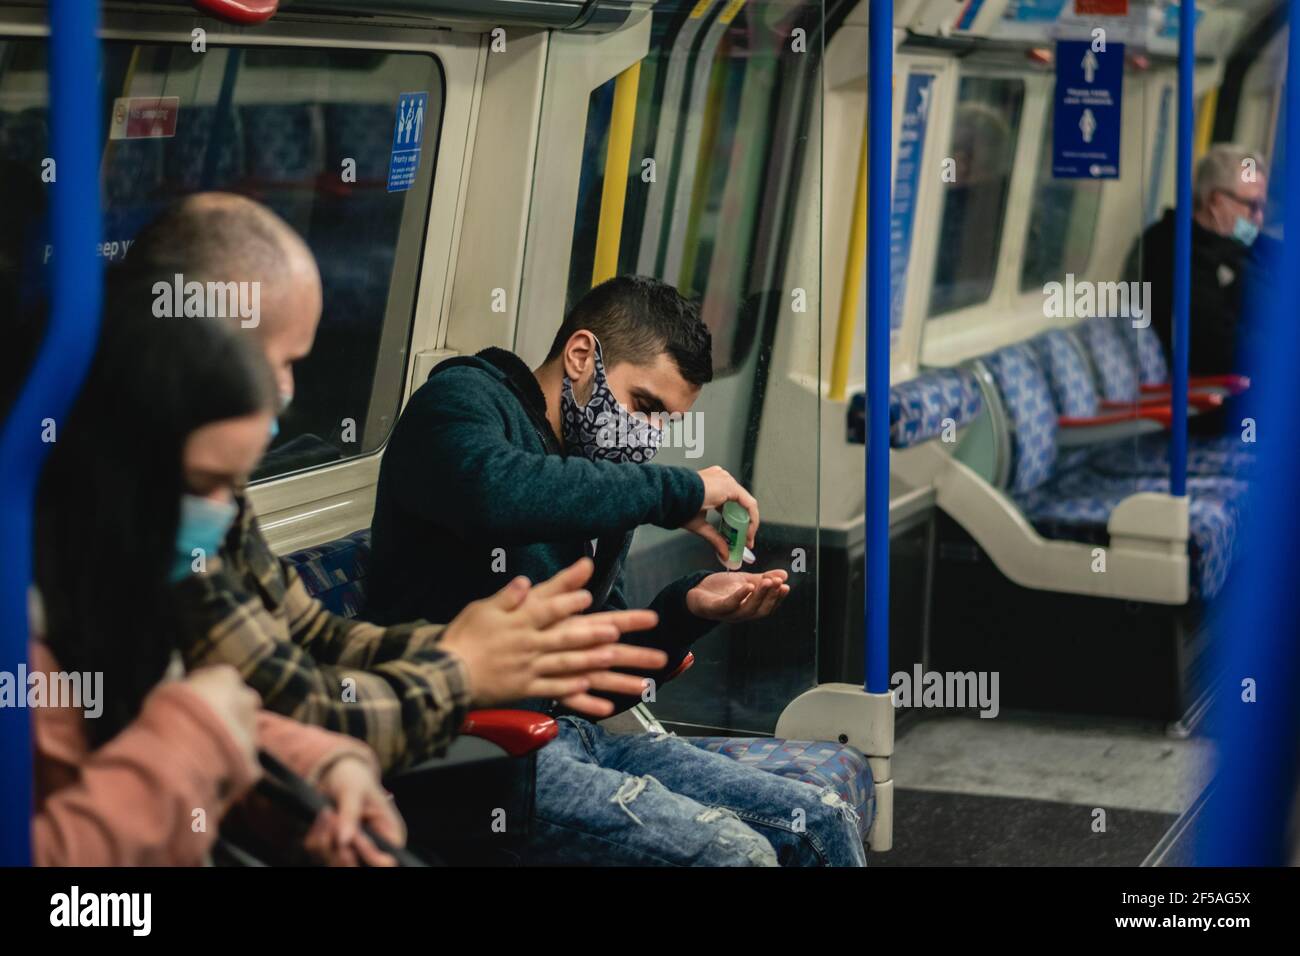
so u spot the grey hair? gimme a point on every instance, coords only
(1222, 168)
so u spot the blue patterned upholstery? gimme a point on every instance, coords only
(360, 131)
(919, 406)
(281, 142)
(25, 138)
(1117, 373)
(188, 156)
(821, 764)
(1032, 416)
(335, 572)
(1149, 355)
(1148, 456)
(1076, 505)
(134, 170)
(1067, 374)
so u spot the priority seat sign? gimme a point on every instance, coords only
(408, 134)
(1086, 110)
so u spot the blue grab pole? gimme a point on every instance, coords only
(55, 378)
(1256, 714)
(1182, 248)
(880, 72)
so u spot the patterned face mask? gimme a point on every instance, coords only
(603, 430)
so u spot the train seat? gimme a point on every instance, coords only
(207, 151)
(1072, 501)
(921, 407)
(335, 574)
(1142, 356)
(826, 765)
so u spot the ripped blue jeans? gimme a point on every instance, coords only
(656, 800)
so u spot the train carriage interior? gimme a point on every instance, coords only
(1054, 591)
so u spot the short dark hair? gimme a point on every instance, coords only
(636, 318)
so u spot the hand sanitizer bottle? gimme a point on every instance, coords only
(735, 530)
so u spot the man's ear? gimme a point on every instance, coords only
(579, 357)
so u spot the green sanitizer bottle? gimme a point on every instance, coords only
(735, 530)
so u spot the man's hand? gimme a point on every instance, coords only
(735, 596)
(336, 837)
(719, 488)
(533, 642)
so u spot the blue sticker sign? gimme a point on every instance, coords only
(1086, 118)
(907, 173)
(408, 134)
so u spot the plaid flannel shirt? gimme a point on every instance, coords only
(392, 687)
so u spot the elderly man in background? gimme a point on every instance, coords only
(1228, 258)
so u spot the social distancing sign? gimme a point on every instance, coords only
(1086, 111)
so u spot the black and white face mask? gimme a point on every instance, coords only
(603, 430)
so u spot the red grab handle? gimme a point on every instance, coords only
(246, 13)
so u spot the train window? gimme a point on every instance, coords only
(308, 132)
(984, 132)
(1062, 222)
(704, 116)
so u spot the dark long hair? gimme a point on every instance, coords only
(109, 501)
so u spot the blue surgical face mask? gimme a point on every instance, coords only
(1245, 231)
(202, 527)
(286, 399)
(602, 429)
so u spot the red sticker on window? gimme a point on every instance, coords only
(144, 117)
(1105, 8)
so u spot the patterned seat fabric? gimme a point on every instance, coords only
(1073, 502)
(821, 764)
(1117, 372)
(1149, 355)
(1031, 414)
(1067, 374)
(281, 142)
(1148, 457)
(919, 407)
(206, 144)
(335, 574)
(1076, 505)
(1207, 456)
(363, 132)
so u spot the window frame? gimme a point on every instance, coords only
(1101, 184)
(950, 337)
(309, 507)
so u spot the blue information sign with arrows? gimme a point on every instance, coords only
(1086, 118)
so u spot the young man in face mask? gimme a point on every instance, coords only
(1229, 258)
(495, 469)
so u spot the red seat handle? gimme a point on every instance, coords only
(517, 732)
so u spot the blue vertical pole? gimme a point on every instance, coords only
(1182, 247)
(880, 96)
(1256, 713)
(55, 378)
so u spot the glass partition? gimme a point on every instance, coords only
(722, 199)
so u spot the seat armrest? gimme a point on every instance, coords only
(1201, 401)
(1220, 384)
(687, 663)
(517, 732)
(1156, 413)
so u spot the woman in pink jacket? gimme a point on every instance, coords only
(137, 495)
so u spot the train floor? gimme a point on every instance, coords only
(1043, 790)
